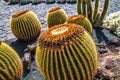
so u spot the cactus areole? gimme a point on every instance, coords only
(66, 52)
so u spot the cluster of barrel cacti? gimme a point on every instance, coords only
(10, 64)
(84, 7)
(25, 25)
(66, 52)
(80, 20)
(56, 16)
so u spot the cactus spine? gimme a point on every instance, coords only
(92, 14)
(25, 25)
(81, 20)
(66, 52)
(10, 64)
(56, 16)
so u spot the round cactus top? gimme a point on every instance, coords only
(59, 35)
(75, 18)
(19, 13)
(54, 9)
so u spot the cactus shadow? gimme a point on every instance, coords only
(20, 46)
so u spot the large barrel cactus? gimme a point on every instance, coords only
(10, 64)
(56, 16)
(81, 20)
(66, 52)
(25, 25)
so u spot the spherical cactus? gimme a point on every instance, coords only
(81, 20)
(10, 64)
(25, 25)
(22, 2)
(36, 1)
(56, 16)
(66, 52)
(14, 1)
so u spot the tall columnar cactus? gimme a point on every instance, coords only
(66, 52)
(25, 25)
(81, 20)
(92, 13)
(22, 2)
(56, 16)
(10, 64)
(14, 1)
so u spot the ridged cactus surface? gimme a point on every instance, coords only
(81, 20)
(36, 1)
(25, 25)
(10, 64)
(56, 16)
(66, 52)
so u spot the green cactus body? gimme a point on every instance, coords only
(81, 20)
(71, 1)
(50, 1)
(22, 2)
(79, 6)
(10, 64)
(56, 16)
(25, 25)
(95, 9)
(103, 13)
(36, 1)
(14, 1)
(66, 52)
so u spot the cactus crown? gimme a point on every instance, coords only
(19, 13)
(54, 9)
(75, 18)
(60, 35)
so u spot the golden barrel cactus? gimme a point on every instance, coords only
(66, 52)
(81, 20)
(10, 64)
(25, 25)
(56, 16)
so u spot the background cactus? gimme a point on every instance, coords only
(25, 25)
(36, 1)
(56, 16)
(50, 1)
(22, 2)
(81, 20)
(84, 7)
(10, 64)
(14, 1)
(66, 52)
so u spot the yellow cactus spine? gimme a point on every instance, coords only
(81, 20)
(10, 64)
(25, 25)
(66, 52)
(56, 16)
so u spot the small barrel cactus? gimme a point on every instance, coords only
(22, 2)
(14, 1)
(10, 64)
(81, 20)
(66, 52)
(56, 16)
(25, 25)
(117, 31)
